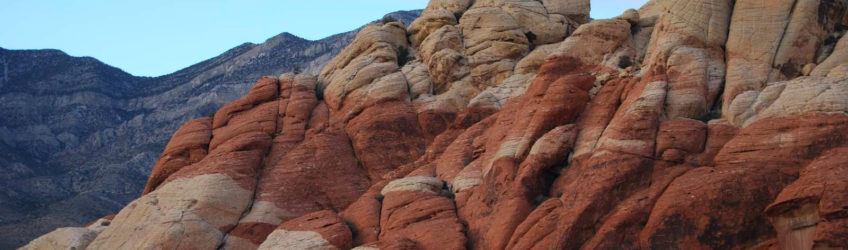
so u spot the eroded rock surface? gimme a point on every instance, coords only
(511, 124)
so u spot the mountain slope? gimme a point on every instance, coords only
(79, 138)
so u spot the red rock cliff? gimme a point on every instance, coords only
(512, 124)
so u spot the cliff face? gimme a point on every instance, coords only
(510, 124)
(79, 138)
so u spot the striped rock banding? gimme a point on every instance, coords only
(317, 230)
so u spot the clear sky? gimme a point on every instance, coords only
(157, 37)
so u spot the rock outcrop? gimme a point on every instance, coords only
(318, 230)
(788, 35)
(197, 205)
(71, 238)
(513, 124)
(78, 138)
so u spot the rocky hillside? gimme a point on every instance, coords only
(78, 138)
(519, 124)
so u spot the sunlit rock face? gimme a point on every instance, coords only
(80, 139)
(522, 125)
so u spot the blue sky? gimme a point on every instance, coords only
(157, 37)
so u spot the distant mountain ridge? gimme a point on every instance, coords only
(78, 137)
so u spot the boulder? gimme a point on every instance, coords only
(200, 203)
(494, 42)
(837, 58)
(318, 230)
(810, 212)
(187, 146)
(795, 97)
(413, 210)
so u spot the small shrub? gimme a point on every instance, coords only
(319, 91)
(211, 114)
(458, 15)
(403, 56)
(531, 37)
(540, 198)
(387, 19)
(272, 135)
(351, 226)
(709, 116)
(379, 197)
(624, 62)
(297, 70)
(467, 161)
(635, 29)
(446, 192)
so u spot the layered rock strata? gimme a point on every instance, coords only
(517, 125)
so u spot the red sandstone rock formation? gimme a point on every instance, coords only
(517, 125)
(318, 230)
(188, 146)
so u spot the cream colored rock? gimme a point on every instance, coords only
(802, 38)
(418, 79)
(799, 96)
(650, 10)
(415, 183)
(648, 16)
(706, 21)
(531, 63)
(99, 225)
(837, 58)
(445, 37)
(749, 64)
(485, 52)
(430, 21)
(266, 212)
(307, 240)
(695, 80)
(494, 42)
(687, 42)
(555, 144)
(596, 42)
(453, 100)
(183, 212)
(391, 86)
(540, 26)
(444, 56)
(469, 177)
(452, 6)
(496, 97)
(498, 32)
(808, 69)
(839, 71)
(577, 10)
(66, 238)
(371, 55)
(515, 85)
